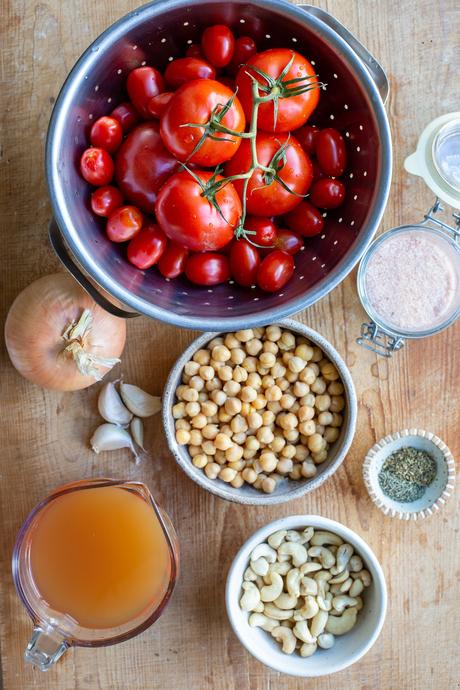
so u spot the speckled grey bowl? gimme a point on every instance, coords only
(286, 489)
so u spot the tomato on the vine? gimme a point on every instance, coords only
(96, 166)
(275, 271)
(264, 230)
(207, 269)
(185, 69)
(330, 152)
(288, 241)
(244, 262)
(266, 196)
(158, 104)
(124, 223)
(126, 115)
(293, 111)
(142, 84)
(327, 193)
(194, 102)
(172, 262)
(106, 200)
(187, 217)
(305, 219)
(245, 48)
(306, 136)
(106, 133)
(143, 164)
(218, 44)
(147, 246)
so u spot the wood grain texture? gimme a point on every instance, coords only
(44, 434)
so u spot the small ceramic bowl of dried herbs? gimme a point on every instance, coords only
(409, 474)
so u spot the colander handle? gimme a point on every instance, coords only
(373, 67)
(61, 251)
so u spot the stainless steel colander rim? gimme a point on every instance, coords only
(104, 279)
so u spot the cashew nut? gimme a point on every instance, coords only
(259, 608)
(308, 649)
(323, 603)
(308, 586)
(356, 588)
(322, 538)
(286, 637)
(273, 590)
(309, 609)
(251, 596)
(293, 535)
(364, 576)
(308, 533)
(273, 611)
(342, 601)
(360, 603)
(302, 631)
(297, 551)
(310, 567)
(326, 640)
(260, 566)
(326, 557)
(258, 620)
(263, 551)
(322, 577)
(286, 601)
(277, 538)
(343, 555)
(249, 574)
(345, 586)
(338, 579)
(293, 582)
(339, 625)
(318, 623)
(356, 564)
(281, 568)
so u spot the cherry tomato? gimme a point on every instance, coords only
(142, 84)
(188, 218)
(106, 200)
(218, 44)
(143, 164)
(106, 133)
(172, 262)
(194, 102)
(327, 193)
(306, 136)
(330, 152)
(275, 271)
(185, 69)
(147, 246)
(158, 104)
(96, 166)
(317, 172)
(207, 269)
(296, 172)
(264, 228)
(244, 262)
(126, 115)
(124, 223)
(288, 241)
(293, 111)
(305, 219)
(194, 50)
(245, 48)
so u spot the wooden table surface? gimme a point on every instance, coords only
(44, 434)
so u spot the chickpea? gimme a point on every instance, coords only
(286, 356)
(248, 394)
(278, 370)
(178, 410)
(273, 393)
(190, 394)
(308, 399)
(183, 424)
(325, 418)
(329, 372)
(277, 444)
(337, 420)
(287, 341)
(196, 382)
(202, 357)
(331, 434)
(231, 388)
(225, 373)
(337, 403)
(317, 354)
(265, 435)
(238, 356)
(316, 443)
(253, 347)
(199, 421)
(200, 460)
(304, 351)
(259, 403)
(227, 474)
(268, 417)
(249, 475)
(192, 409)
(319, 386)
(287, 401)
(288, 451)
(238, 481)
(194, 450)
(227, 430)
(211, 470)
(284, 466)
(240, 375)
(232, 406)
(250, 364)
(300, 389)
(246, 408)
(296, 473)
(182, 436)
(323, 402)
(271, 347)
(238, 424)
(230, 341)
(308, 428)
(244, 335)
(209, 408)
(191, 368)
(215, 342)
(239, 437)
(255, 420)
(209, 448)
(222, 441)
(291, 435)
(267, 359)
(268, 462)
(301, 453)
(249, 454)
(287, 420)
(202, 396)
(213, 385)
(196, 438)
(308, 469)
(335, 388)
(319, 457)
(262, 370)
(234, 453)
(268, 485)
(219, 397)
(273, 333)
(254, 380)
(283, 384)
(215, 364)
(221, 353)
(307, 376)
(274, 407)
(252, 443)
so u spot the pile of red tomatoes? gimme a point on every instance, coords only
(175, 166)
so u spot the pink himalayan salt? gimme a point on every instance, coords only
(411, 281)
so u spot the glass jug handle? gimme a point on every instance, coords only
(45, 647)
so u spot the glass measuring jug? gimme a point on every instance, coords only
(95, 563)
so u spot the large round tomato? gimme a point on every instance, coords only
(266, 198)
(142, 165)
(193, 103)
(188, 218)
(293, 111)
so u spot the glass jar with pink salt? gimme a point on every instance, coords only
(409, 284)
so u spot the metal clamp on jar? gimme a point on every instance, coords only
(409, 278)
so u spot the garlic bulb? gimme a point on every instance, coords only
(139, 402)
(111, 407)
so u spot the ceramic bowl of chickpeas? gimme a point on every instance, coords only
(261, 415)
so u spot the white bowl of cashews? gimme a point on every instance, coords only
(350, 641)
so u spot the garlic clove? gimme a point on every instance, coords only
(111, 406)
(139, 402)
(137, 431)
(111, 437)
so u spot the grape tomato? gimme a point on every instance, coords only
(207, 269)
(180, 71)
(244, 262)
(124, 223)
(218, 45)
(330, 152)
(147, 246)
(327, 193)
(106, 133)
(106, 200)
(96, 166)
(142, 84)
(275, 271)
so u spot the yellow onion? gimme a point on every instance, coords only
(59, 338)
